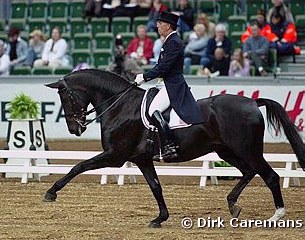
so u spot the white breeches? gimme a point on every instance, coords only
(160, 102)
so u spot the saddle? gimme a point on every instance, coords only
(154, 144)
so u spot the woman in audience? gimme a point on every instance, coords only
(36, 45)
(239, 66)
(186, 16)
(196, 48)
(209, 26)
(54, 52)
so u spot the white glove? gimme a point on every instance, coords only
(139, 79)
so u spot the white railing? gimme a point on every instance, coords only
(207, 169)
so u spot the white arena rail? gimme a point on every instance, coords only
(206, 170)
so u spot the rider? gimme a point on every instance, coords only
(176, 92)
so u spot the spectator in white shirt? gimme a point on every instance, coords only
(54, 52)
(4, 60)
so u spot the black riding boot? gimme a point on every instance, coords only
(165, 136)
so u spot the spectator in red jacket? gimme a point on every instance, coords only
(284, 35)
(265, 28)
(141, 47)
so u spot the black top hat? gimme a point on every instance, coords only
(168, 18)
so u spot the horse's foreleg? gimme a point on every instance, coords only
(151, 177)
(102, 160)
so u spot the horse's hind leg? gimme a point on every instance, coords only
(248, 174)
(151, 177)
(102, 160)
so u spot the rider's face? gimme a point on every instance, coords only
(163, 28)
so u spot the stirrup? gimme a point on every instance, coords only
(170, 152)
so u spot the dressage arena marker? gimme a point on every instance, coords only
(206, 170)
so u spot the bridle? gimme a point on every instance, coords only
(78, 115)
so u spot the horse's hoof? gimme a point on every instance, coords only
(48, 197)
(154, 225)
(235, 211)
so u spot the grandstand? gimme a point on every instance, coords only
(92, 41)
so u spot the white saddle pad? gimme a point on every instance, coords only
(174, 122)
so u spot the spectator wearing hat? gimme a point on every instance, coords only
(36, 46)
(4, 60)
(17, 48)
(141, 47)
(54, 51)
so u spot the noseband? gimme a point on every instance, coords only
(78, 115)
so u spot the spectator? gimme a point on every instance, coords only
(219, 41)
(209, 26)
(285, 35)
(93, 8)
(17, 48)
(141, 47)
(279, 8)
(256, 49)
(196, 48)
(157, 49)
(263, 25)
(4, 60)
(127, 8)
(36, 45)
(239, 66)
(186, 16)
(219, 65)
(54, 52)
(156, 8)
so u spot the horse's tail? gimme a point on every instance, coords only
(277, 117)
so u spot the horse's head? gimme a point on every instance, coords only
(75, 101)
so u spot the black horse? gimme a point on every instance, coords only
(233, 128)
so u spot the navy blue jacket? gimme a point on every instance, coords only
(170, 68)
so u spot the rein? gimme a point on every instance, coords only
(77, 116)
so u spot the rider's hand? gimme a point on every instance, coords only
(139, 79)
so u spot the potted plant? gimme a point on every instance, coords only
(25, 129)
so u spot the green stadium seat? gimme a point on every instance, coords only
(82, 41)
(297, 7)
(253, 6)
(99, 25)
(62, 70)
(44, 70)
(38, 9)
(142, 20)
(237, 23)
(78, 25)
(2, 24)
(146, 68)
(3, 35)
(21, 70)
(103, 40)
(81, 56)
(37, 24)
(120, 25)
(207, 6)
(58, 9)
(77, 8)
(102, 57)
(19, 10)
(186, 36)
(300, 25)
(195, 68)
(236, 41)
(17, 23)
(227, 8)
(127, 37)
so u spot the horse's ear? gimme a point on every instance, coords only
(53, 85)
